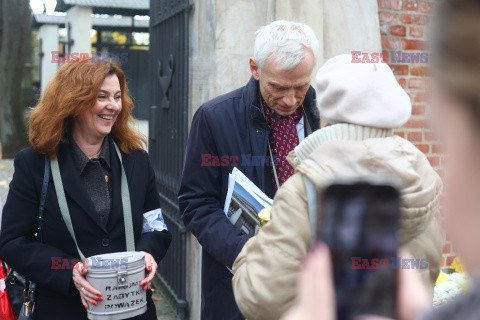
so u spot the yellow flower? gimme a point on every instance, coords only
(442, 277)
(457, 265)
(264, 216)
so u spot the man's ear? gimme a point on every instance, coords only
(254, 69)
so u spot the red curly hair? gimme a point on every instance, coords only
(73, 91)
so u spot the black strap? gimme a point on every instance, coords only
(30, 287)
(43, 196)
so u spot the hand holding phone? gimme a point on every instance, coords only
(358, 221)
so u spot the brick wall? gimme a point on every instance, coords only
(404, 32)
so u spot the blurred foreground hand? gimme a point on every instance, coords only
(316, 299)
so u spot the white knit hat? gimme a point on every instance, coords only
(365, 94)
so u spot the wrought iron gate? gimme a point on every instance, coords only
(168, 92)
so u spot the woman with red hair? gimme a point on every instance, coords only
(81, 122)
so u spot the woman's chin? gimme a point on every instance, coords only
(103, 133)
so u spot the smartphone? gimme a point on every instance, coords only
(359, 222)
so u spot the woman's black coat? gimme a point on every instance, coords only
(47, 263)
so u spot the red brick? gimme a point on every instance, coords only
(408, 44)
(437, 149)
(447, 248)
(427, 7)
(416, 123)
(393, 44)
(411, 5)
(422, 97)
(419, 19)
(415, 83)
(450, 260)
(414, 19)
(434, 161)
(425, 148)
(399, 69)
(420, 71)
(381, 3)
(387, 16)
(403, 83)
(397, 30)
(416, 31)
(396, 5)
(406, 18)
(415, 136)
(442, 264)
(418, 109)
(400, 134)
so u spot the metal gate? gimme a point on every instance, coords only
(168, 94)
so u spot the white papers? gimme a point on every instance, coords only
(153, 221)
(243, 202)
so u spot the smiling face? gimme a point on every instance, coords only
(284, 90)
(97, 122)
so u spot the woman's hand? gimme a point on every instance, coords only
(151, 267)
(87, 292)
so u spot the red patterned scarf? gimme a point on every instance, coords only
(283, 139)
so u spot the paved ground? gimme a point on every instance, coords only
(164, 306)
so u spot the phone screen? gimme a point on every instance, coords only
(359, 224)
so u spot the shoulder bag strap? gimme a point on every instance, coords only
(62, 201)
(127, 207)
(43, 196)
(312, 208)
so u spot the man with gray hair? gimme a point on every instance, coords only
(252, 128)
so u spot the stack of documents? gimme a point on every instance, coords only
(243, 203)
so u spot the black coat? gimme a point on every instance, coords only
(57, 297)
(230, 126)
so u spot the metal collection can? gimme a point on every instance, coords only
(117, 276)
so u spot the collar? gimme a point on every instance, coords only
(337, 132)
(81, 160)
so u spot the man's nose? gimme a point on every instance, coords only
(289, 99)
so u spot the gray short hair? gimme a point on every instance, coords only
(286, 41)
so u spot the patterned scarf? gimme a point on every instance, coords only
(283, 139)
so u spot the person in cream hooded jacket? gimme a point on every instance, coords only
(362, 104)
